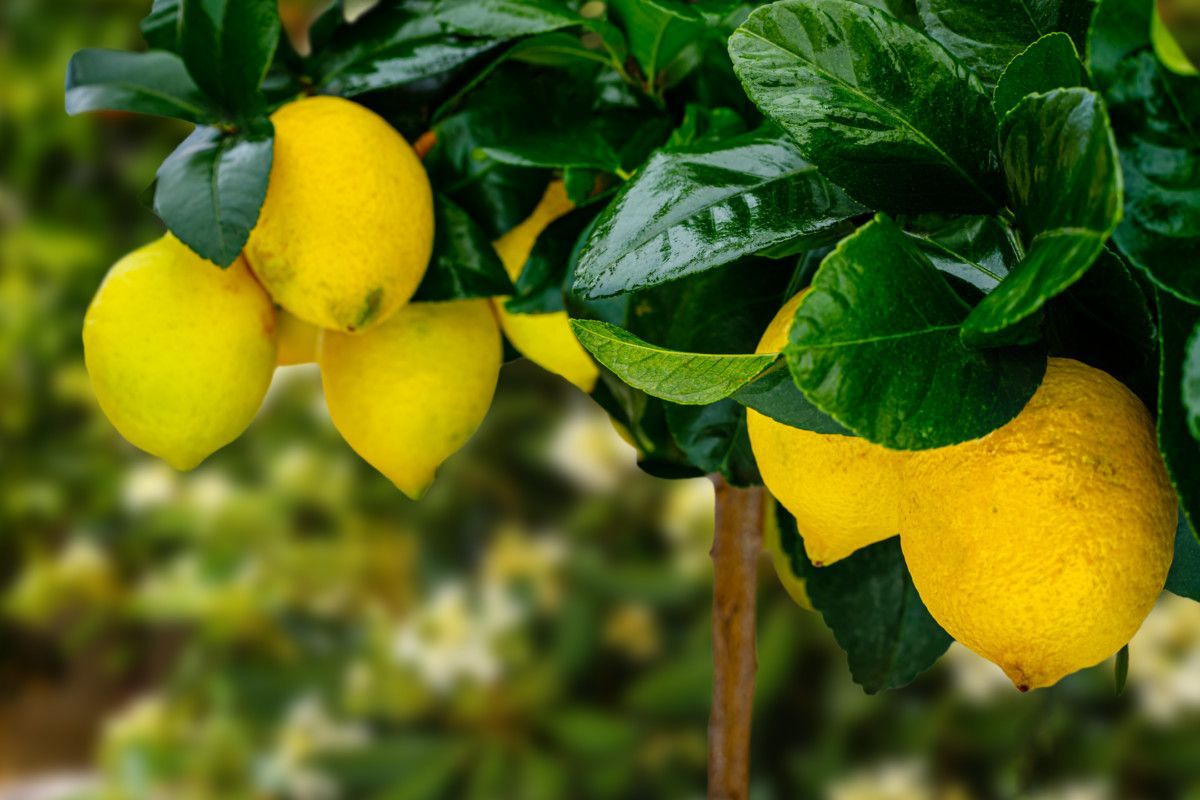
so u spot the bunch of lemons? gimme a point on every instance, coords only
(181, 352)
(1041, 546)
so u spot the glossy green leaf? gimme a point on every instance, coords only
(687, 378)
(505, 19)
(694, 208)
(464, 263)
(660, 32)
(774, 394)
(977, 250)
(1184, 577)
(876, 345)
(153, 83)
(1156, 119)
(881, 110)
(160, 28)
(988, 34)
(227, 46)
(1176, 322)
(869, 602)
(211, 188)
(1064, 181)
(1052, 62)
(393, 45)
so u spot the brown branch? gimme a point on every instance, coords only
(737, 540)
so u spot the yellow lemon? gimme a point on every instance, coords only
(297, 340)
(180, 351)
(1043, 545)
(346, 230)
(545, 339)
(409, 393)
(842, 490)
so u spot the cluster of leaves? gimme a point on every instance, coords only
(967, 188)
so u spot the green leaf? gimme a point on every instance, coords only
(211, 188)
(1191, 382)
(1181, 452)
(869, 602)
(988, 34)
(153, 83)
(539, 288)
(714, 438)
(841, 78)
(877, 346)
(1064, 180)
(687, 378)
(505, 19)
(977, 250)
(1052, 62)
(694, 208)
(1121, 669)
(227, 46)
(1156, 119)
(775, 395)
(160, 28)
(1184, 577)
(660, 34)
(392, 46)
(464, 263)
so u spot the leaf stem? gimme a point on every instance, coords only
(737, 542)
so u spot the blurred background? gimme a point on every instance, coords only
(282, 624)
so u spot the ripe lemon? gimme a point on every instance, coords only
(842, 490)
(1043, 545)
(410, 392)
(346, 230)
(180, 351)
(545, 339)
(297, 340)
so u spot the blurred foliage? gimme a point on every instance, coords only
(281, 623)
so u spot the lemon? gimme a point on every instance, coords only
(180, 352)
(795, 586)
(842, 490)
(545, 339)
(1043, 545)
(297, 340)
(346, 230)
(410, 392)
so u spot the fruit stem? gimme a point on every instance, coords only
(737, 541)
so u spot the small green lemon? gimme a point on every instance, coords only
(1043, 545)
(842, 490)
(346, 230)
(180, 352)
(409, 393)
(545, 339)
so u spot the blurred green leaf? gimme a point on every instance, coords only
(1181, 452)
(211, 188)
(838, 76)
(153, 83)
(227, 46)
(1052, 62)
(988, 34)
(878, 306)
(160, 28)
(1064, 181)
(695, 208)
(464, 263)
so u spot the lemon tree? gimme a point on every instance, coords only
(927, 271)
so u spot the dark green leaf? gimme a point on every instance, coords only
(974, 249)
(1121, 669)
(687, 378)
(1064, 181)
(879, 108)
(701, 124)
(1191, 382)
(211, 188)
(661, 33)
(1052, 62)
(141, 83)
(775, 395)
(1156, 118)
(505, 19)
(714, 438)
(539, 289)
(1184, 577)
(393, 45)
(464, 263)
(1181, 452)
(876, 345)
(160, 28)
(695, 208)
(227, 46)
(988, 34)
(869, 602)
